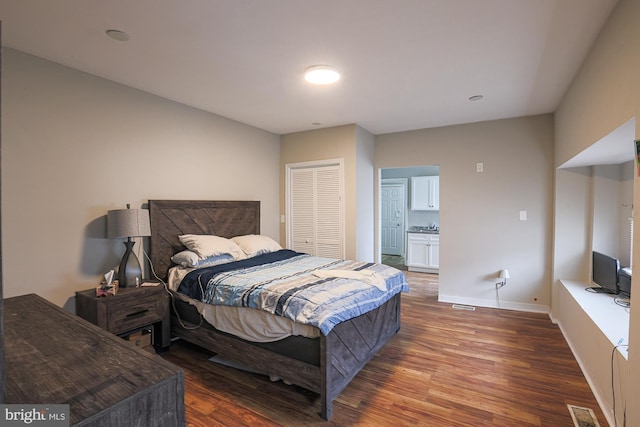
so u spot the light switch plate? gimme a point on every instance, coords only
(523, 215)
(480, 167)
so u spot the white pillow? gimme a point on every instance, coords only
(206, 246)
(253, 244)
(186, 258)
(191, 259)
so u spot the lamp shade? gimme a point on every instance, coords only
(128, 223)
(504, 274)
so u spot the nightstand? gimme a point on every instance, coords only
(129, 310)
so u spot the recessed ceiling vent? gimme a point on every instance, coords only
(118, 35)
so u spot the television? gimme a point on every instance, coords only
(605, 273)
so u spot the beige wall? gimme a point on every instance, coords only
(604, 95)
(612, 200)
(75, 145)
(626, 198)
(330, 143)
(365, 153)
(574, 221)
(592, 211)
(480, 229)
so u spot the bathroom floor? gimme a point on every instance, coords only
(396, 261)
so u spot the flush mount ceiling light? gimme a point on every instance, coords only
(118, 35)
(321, 75)
(476, 98)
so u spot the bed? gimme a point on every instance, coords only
(322, 363)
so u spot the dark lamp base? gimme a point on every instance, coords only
(129, 271)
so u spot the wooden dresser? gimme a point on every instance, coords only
(54, 357)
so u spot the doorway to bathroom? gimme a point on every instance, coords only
(406, 208)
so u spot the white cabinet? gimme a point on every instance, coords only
(423, 252)
(425, 193)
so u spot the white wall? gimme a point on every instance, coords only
(480, 229)
(75, 146)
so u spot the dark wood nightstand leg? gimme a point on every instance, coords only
(162, 335)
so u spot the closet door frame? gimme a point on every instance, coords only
(315, 164)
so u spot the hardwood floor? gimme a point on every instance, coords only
(446, 367)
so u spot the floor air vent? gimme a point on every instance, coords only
(583, 417)
(463, 307)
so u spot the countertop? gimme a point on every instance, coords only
(423, 230)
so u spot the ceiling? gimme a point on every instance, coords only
(405, 64)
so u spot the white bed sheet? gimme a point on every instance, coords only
(246, 323)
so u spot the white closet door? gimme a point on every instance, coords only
(302, 208)
(315, 210)
(328, 212)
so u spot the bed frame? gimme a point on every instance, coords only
(324, 365)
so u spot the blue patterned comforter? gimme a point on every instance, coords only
(298, 286)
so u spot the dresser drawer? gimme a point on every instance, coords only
(133, 314)
(423, 237)
(129, 309)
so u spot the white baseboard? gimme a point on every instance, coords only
(506, 305)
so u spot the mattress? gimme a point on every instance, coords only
(244, 322)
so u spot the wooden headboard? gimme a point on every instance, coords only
(172, 218)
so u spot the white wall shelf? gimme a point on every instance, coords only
(610, 318)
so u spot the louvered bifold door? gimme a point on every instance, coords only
(316, 211)
(328, 212)
(302, 210)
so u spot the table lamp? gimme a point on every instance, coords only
(128, 223)
(504, 275)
